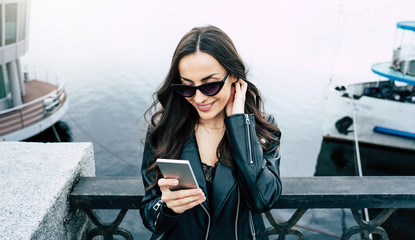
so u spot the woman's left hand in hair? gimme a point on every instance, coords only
(236, 103)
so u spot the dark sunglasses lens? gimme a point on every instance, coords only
(186, 91)
(210, 88)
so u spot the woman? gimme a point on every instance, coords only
(211, 115)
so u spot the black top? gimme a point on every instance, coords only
(209, 172)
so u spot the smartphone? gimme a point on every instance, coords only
(178, 169)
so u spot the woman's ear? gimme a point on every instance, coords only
(234, 79)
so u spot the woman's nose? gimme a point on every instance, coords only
(199, 97)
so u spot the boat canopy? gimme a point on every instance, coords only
(407, 25)
(403, 55)
(384, 69)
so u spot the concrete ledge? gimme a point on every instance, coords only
(37, 179)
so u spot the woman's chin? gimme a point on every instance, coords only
(211, 115)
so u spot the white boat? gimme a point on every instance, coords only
(382, 113)
(31, 99)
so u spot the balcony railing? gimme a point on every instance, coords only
(44, 95)
(386, 192)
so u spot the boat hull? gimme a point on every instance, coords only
(368, 113)
(338, 158)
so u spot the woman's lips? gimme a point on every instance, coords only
(205, 108)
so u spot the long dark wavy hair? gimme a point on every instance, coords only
(172, 124)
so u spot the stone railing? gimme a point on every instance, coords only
(36, 182)
(389, 193)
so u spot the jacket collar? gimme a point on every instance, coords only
(223, 182)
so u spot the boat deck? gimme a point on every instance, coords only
(36, 89)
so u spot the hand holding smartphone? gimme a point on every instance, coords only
(178, 169)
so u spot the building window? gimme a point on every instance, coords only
(4, 83)
(22, 21)
(11, 22)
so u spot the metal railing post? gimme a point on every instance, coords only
(21, 117)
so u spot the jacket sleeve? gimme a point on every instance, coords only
(258, 171)
(151, 210)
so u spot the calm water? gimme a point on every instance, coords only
(114, 54)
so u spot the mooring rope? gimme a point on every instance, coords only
(357, 154)
(56, 133)
(102, 145)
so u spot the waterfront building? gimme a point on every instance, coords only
(31, 99)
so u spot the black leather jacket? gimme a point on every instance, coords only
(239, 196)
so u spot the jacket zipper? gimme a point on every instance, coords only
(248, 123)
(251, 223)
(156, 207)
(157, 218)
(237, 215)
(161, 236)
(208, 228)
